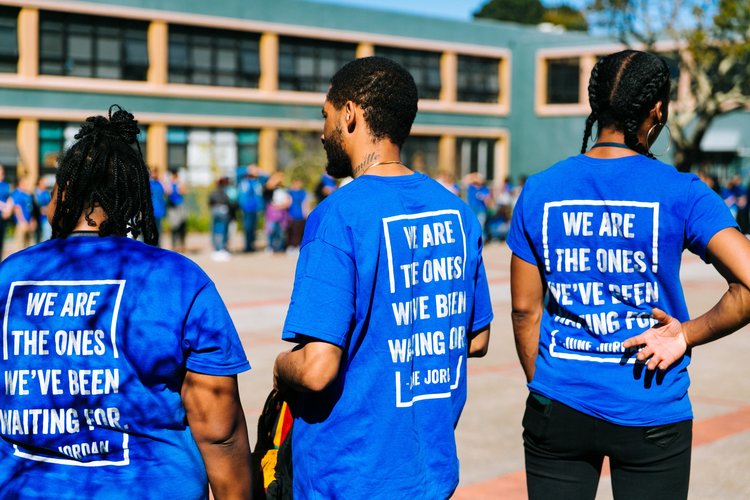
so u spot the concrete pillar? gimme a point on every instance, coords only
(364, 49)
(448, 77)
(502, 159)
(28, 42)
(156, 147)
(158, 53)
(267, 149)
(447, 154)
(269, 62)
(27, 140)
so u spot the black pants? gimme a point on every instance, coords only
(565, 450)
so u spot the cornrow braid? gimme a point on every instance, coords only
(105, 168)
(594, 103)
(623, 89)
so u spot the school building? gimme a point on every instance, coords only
(221, 84)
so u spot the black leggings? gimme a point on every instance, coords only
(565, 450)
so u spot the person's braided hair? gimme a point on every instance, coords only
(105, 168)
(623, 89)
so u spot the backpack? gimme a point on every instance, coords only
(272, 457)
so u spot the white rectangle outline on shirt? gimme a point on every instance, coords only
(583, 357)
(422, 215)
(115, 314)
(121, 283)
(639, 204)
(422, 397)
(62, 461)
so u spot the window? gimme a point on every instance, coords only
(476, 155)
(478, 79)
(673, 63)
(563, 81)
(308, 65)
(420, 153)
(92, 47)
(423, 66)
(9, 148)
(209, 153)
(213, 57)
(8, 39)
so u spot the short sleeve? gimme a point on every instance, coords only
(210, 340)
(518, 239)
(483, 315)
(707, 215)
(322, 305)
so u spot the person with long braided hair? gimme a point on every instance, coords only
(122, 355)
(599, 316)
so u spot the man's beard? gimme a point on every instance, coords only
(339, 163)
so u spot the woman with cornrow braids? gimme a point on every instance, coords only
(599, 316)
(124, 359)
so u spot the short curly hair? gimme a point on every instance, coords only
(386, 92)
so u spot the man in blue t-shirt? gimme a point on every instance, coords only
(159, 201)
(250, 199)
(390, 298)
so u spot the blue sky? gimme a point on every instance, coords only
(453, 9)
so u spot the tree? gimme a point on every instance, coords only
(533, 12)
(566, 16)
(711, 43)
(517, 11)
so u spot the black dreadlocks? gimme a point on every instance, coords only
(623, 89)
(104, 169)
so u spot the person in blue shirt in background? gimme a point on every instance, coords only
(159, 201)
(6, 207)
(479, 198)
(298, 211)
(250, 199)
(42, 197)
(23, 213)
(390, 299)
(177, 213)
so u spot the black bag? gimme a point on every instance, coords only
(272, 457)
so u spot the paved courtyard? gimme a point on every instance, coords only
(257, 288)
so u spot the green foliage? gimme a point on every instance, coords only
(517, 11)
(713, 38)
(308, 159)
(566, 16)
(533, 12)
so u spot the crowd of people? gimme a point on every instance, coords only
(136, 356)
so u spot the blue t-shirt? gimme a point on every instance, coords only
(99, 334)
(25, 201)
(609, 236)
(43, 198)
(391, 271)
(4, 191)
(296, 209)
(250, 194)
(476, 197)
(158, 199)
(175, 197)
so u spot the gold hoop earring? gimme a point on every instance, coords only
(669, 141)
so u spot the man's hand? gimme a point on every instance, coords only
(663, 343)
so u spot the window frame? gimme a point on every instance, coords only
(239, 43)
(131, 36)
